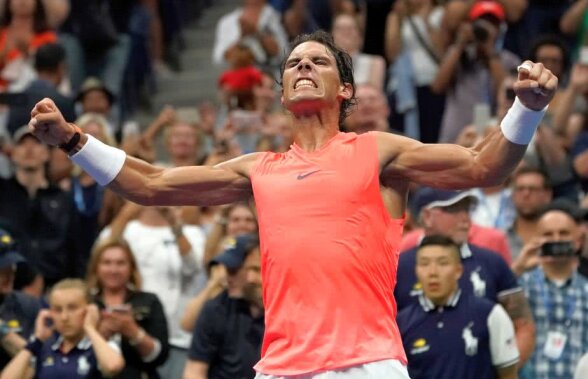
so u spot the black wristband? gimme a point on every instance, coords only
(35, 346)
(74, 140)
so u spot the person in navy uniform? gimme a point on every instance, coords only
(66, 343)
(485, 273)
(18, 311)
(450, 333)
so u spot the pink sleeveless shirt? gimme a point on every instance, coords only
(329, 253)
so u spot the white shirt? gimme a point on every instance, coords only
(424, 67)
(228, 32)
(503, 344)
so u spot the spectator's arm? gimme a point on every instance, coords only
(514, 9)
(110, 361)
(294, 18)
(517, 307)
(269, 44)
(393, 34)
(503, 348)
(154, 347)
(510, 372)
(572, 19)
(581, 164)
(127, 213)
(216, 283)
(577, 86)
(19, 367)
(497, 71)
(211, 248)
(377, 72)
(447, 69)
(13, 343)
(166, 117)
(196, 370)
(155, 29)
(550, 149)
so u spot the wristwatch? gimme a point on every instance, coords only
(71, 146)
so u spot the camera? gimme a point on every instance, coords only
(480, 31)
(558, 249)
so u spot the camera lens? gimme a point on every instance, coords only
(480, 32)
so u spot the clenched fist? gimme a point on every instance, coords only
(48, 125)
(536, 85)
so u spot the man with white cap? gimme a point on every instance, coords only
(485, 273)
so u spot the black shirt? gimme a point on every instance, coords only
(45, 228)
(149, 315)
(228, 338)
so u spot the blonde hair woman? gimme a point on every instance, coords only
(135, 317)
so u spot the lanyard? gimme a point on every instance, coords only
(81, 205)
(570, 302)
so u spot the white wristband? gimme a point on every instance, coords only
(520, 123)
(100, 161)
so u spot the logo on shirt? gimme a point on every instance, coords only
(306, 174)
(471, 342)
(48, 362)
(478, 283)
(83, 365)
(419, 346)
(417, 289)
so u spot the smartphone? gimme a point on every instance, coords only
(482, 117)
(246, 120)
(557, 249)
(121, 308)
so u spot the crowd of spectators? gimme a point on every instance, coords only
(174, 292)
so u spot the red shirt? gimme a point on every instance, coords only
(329, 253)
(488, 238)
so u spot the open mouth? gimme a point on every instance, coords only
(301, 83)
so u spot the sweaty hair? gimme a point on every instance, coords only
(343, 60)
(438, 240)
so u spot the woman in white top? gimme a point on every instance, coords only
(367, 68)
(413, 27)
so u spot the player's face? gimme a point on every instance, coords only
(438, 269)
(311, 79)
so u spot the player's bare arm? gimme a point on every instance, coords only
(147, 184)
(488, 163)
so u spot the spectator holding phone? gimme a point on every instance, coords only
(66, 342)
(557, 294)
(135, 317)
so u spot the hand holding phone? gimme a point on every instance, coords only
(558, 249)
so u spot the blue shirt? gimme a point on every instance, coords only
(485, 274)
(450, 342)
(79, 363)
(558, 308)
